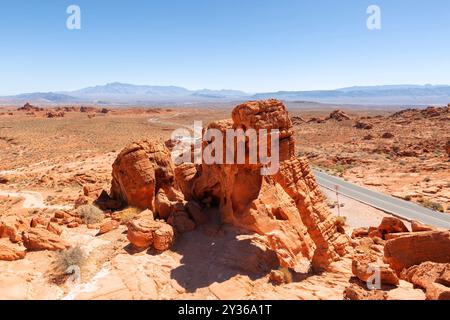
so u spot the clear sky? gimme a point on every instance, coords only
(250, 45)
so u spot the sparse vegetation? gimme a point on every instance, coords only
(128, 214)
(69, 258)
(339, 169)
(341, 221)
(287, 275)
(90, 214)
(431, 205)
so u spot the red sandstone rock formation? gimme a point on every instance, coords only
(286, 208)
(144, 232)
(433, 277)
(12, 227)
(140, 170)
(8, 253)
(339, 115)
(38, 239)
(416, 248)
(364, 266)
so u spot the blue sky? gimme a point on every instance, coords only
(250, 45)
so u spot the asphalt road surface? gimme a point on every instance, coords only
(400, 208)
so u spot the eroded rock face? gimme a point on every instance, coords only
(416, 248)
(433, 277)
(287, 207)
(139, 171)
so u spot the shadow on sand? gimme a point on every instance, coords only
(209, 259)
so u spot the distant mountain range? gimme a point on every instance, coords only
(128, 94)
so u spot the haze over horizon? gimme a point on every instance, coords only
(253, 46)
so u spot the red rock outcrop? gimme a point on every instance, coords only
(38, 239)
(8, 253)
(416, 248)
(365, 266)
(420, 227)
(433, 277)
(108, 226)
(55, 114)
(287, 207)
(358, 292)
(339, 115)
(144, 232)
(392, 225)
(139, 171)
(12, 227)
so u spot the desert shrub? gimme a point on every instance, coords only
(341, 221)
(340, 169)
(287, 275)
(432, 205)
(128, 214)
(407, 198)
(90, 214)
(427, 179)
(69, 258)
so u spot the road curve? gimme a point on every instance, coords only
(400, 208)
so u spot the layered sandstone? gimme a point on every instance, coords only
(287, 207)
(416, 248)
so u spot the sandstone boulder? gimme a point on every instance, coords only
(419, 227)
(434, 278)
(392, 225)
(108, 226)
(360, 233)
(359, 292)
(11, 227)
(144, 232)
(339, 115)
(54, 228)
(8, 253)
(417, 248)
(39, 221)
(38, 239)
(139, 171)
(363, 125)
(365, 267)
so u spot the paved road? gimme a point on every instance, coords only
(400, 208)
